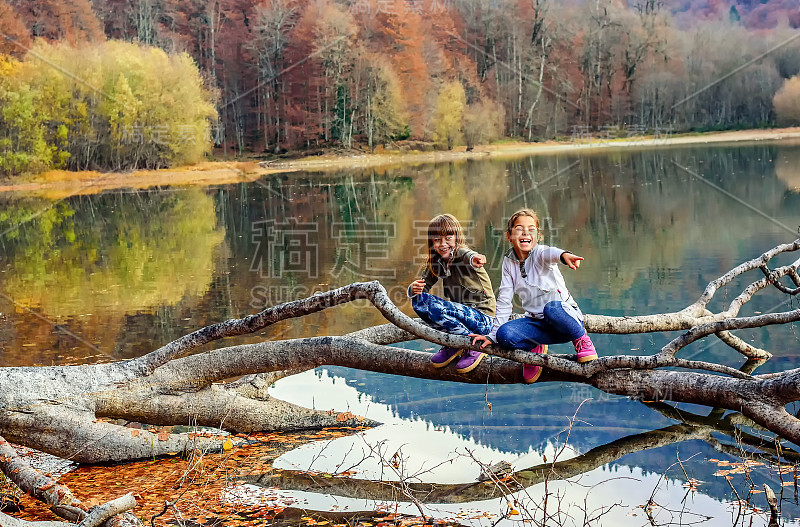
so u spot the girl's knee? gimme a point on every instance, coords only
(436, 310)
(419, 307)
(505, 336)
(552, 309)
(556, 312)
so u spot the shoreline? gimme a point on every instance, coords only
(61, 184)
(523, 149)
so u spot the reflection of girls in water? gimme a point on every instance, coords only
(470, 304)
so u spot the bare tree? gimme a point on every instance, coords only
(274, 21)
(334, 34)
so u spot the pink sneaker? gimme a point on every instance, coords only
(585, 349)
(444, 356)
(531, 373)
(469, 361)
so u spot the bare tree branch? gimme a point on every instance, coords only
(41, 407)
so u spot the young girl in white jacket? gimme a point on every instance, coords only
(531, 272)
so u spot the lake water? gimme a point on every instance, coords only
(112, 276)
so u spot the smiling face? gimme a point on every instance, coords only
(445, 236)
(523, 235)
(444, 245)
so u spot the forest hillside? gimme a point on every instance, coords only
(281, 75)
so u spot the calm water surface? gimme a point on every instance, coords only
(115, 275)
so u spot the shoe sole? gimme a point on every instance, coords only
(535, 377)
(541, 369)
(473, 365)
(587, 358)
(448, 361)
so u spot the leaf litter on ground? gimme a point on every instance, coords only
(200, 485)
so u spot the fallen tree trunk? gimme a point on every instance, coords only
(68, 410)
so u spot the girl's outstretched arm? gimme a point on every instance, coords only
(472, 258)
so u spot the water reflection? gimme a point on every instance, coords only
(787, 168)
(420, 453)
(76, 272)
(127, 272)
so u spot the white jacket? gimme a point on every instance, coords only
(537, 280)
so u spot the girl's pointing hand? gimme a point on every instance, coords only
(478, 261)
(573, 261)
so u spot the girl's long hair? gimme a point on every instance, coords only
(443, 225)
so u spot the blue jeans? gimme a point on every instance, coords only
(450, 317)
(561, 323)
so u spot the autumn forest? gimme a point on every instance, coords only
(121, 84)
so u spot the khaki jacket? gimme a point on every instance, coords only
(463, 283)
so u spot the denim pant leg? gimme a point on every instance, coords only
(421, 305)
(565, 321)
(525, 333)
(450, 317)
(560, 324)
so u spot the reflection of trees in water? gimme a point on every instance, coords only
(787, 168)
(521, 417)
(88, 261)
(363, 226)
(712, 435)
(636, 217)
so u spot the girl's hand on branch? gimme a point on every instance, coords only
(485, 341)
(417, 286)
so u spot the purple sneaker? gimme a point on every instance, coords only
(585, 349)
(530, 372)
(444, 356)
(469, 361)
